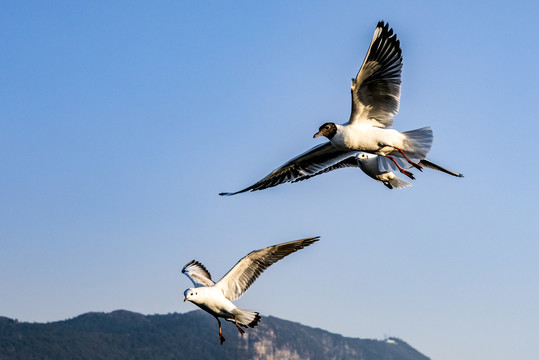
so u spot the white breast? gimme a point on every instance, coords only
(365, 138)
(213, 299)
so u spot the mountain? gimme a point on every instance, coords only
(126, 335)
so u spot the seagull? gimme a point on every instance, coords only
(375, 100)
(312, 163)
(216, 298)
(369, 164)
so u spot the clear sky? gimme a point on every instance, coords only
(121, 122)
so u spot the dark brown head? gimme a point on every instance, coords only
(328, 130)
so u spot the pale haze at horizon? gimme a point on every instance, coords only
(119, 127)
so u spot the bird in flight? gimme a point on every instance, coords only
(368, 163)
(216, 298)
(375, 100)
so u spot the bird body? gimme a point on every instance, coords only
(375, 93)
(216, 298)
(369, 164)
(361, 137)
(212, 300)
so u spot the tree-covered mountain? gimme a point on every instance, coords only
(194, 335)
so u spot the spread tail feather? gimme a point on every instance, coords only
(416, 147)
(418, 143)
(396, 183)
(247, 317)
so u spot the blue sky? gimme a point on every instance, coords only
(120, 124)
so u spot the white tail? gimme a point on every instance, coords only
(396, 183)
(418, 143)
(246, 317)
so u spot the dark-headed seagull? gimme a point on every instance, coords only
(375, 100)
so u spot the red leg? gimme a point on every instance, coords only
(221, 337)
(407, 173)
(239, 328)
(417, 166)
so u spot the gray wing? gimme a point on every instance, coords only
(299, 168)
(369, 164)
(350, 161)
(197, 273)
(433, 166)
(376, 88)
(248, 269)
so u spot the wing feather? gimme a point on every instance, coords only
(197, 273)
(247, 270)
(350, 161)
(431, 165)
(376, 88)
(303, 166)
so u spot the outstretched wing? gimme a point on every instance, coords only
(434, 166)
(248, 269)
(197, 273)
(377, 86)
(306, 165)
(349, 161)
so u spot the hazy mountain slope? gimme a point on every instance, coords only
(194, 335)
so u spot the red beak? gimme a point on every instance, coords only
(317, 134)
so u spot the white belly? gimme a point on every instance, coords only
(213, 301)
(367, 138)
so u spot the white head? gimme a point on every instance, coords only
(191, 294)
(365, 156)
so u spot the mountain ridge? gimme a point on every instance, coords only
(123, 334)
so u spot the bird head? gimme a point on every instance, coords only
(362, 156)
(328, 130)
(190, 294)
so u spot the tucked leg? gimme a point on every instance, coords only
(221, 337)
(239, 328)
(417, 166)
(407, 173)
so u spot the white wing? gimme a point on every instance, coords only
(197, 273)
(248, 269)
(377, 86)
(304, 166)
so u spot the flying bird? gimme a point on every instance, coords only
(375, 100)
(216, 298)
(369, 164)
(303, 168)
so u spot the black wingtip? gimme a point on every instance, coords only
(388, 185)
(255, 321)
(250, 188)
(311, 240)
(385, 27)
(229, 193)
(186, 265)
